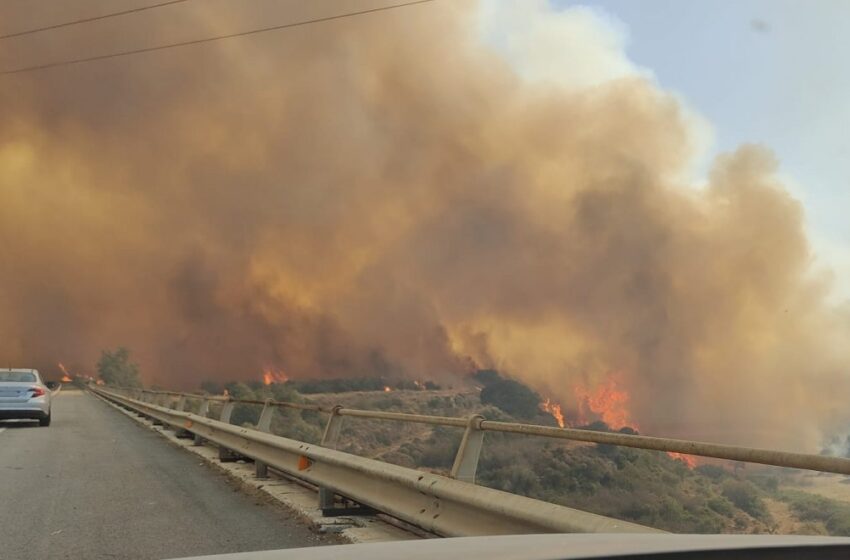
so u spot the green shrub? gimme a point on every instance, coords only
(745, 496)
(512, 397)
(834, 515)
(115, 368)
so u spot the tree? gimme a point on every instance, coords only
(512, 397)
(746, 496)
(114, 368)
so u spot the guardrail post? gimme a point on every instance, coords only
(330, 439)
(226, 455)
(264, 424)
(158, 401)
(143, 396)
(226, 411)
(202, 412)
(180, 432)
(466, 460)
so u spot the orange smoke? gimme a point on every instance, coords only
(609, 402)
(554, 409)
(271, 376)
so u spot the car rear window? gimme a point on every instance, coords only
(21, 376)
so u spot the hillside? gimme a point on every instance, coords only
(646, 487)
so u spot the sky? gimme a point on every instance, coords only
(771, 72)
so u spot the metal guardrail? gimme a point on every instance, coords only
(449, 506)
(467, 459)
(436, 503)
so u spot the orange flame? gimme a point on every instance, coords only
(271, 376)
(609, 402)
(66, 377)
(689, 460)
(387, 389)
(554, 409)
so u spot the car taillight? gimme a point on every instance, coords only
(36, 392)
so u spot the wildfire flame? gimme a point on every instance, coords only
(387, 389)
(554, 409)
(271, 376)
(66, 377)
(689, 460)
(608, 401)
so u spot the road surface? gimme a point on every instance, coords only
(95, 484)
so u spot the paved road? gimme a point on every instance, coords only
(97, 485)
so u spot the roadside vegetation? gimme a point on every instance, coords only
(115, 368)
(645, 487)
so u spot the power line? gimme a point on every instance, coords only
(209, 39)
(87, 20)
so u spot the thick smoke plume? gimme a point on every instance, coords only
(386, 195)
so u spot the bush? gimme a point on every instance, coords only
(714, 472)
(721, 505)
(834, 515)
(745, 496)
(115, 369)
(508, 395)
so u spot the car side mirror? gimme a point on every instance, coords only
(52, 385)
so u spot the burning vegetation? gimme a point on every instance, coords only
(554, 409)
(271, 375)
(608, 402)
(66, 377)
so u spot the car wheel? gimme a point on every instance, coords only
(44, 421)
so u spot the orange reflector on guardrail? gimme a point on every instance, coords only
(304, 463)
(188, 424)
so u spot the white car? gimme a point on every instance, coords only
(24, 396)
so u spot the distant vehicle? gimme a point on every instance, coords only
(23, 395)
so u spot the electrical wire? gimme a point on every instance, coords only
(87, 20)
(209, 39)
